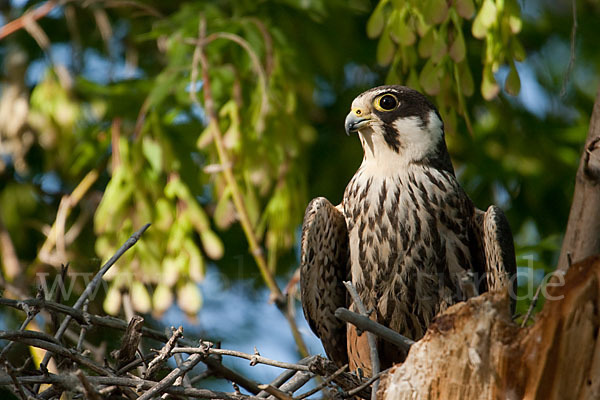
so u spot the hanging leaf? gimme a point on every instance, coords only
(376, 21)
(465, 8)
(512, 85)
(425, 47)
(484, 19)
(439, 49)
(457, 50)
(162, 299)
(212, 244)
(467, 85)
(429, 79)
(400, 30)
(435, 11)
(385, 49)
(489, 87)
(189, 298)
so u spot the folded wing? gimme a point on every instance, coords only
(324, 264)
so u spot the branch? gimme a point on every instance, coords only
(370, 337)
(366, 324)
(254, 358)
(91, 287)
(33, 15)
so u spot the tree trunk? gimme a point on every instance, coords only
(582, 237)
(475, 351)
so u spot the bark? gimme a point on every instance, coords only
(582, 237)
(475, 351)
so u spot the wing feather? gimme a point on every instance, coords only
(496, 240)
(324, 264)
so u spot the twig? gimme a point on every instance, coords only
(367, 324)
(164, 353)
(299, 379)
(199, 58)
(252, 357)
(83, 328)
(532, 305)
(115, 323)
(168, 380)
(33, 15)
(323, 384)
(91, 287)
(89, 391)
(287, 374)
(130, 342)
(276, 392)
(569, 70)
(71, 381)
(324, 367)
(18, 386)
(370, 336)
(356, 390)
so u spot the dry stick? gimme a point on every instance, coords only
(168, 380)
(299, 379)
(370, 336)
(83, 328)
(286, 375)
(89, 289)
(19, 387)
(569, 70)
(357, 389)
(323, 384)
(164, 353)
(115, 323)
(367, 324)
(89, 390)
(34, 15)
(276, 392)
(252, 357)
(72, 382)
(199, 57)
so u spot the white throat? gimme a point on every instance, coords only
(416, 142)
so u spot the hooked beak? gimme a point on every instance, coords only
(355, 122)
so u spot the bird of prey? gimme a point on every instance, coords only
(406, 234)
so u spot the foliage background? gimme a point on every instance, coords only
(103, 128)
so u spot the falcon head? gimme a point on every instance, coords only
(397, 124)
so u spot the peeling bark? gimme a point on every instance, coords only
(474, 350)
(582, 237)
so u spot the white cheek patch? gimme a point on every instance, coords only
(417, 140)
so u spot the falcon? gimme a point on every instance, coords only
(406, 234)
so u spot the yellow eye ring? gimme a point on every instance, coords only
(386, 102)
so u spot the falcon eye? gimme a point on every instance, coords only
(387, 102)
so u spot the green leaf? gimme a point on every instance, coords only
(467, 85)
(465, 8)
(517, 50)
(385, 49)
(376, 21)
(189, 298)
(435, 11)
(162, 298)
(489, 87)
(457, 50)
(429, 80)
(153, 153)
(426, 44)
(400, 30)
(439, 49)
(484, 19)
(140, 298)
(512, 84)
(112, 301)
(212, 244)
